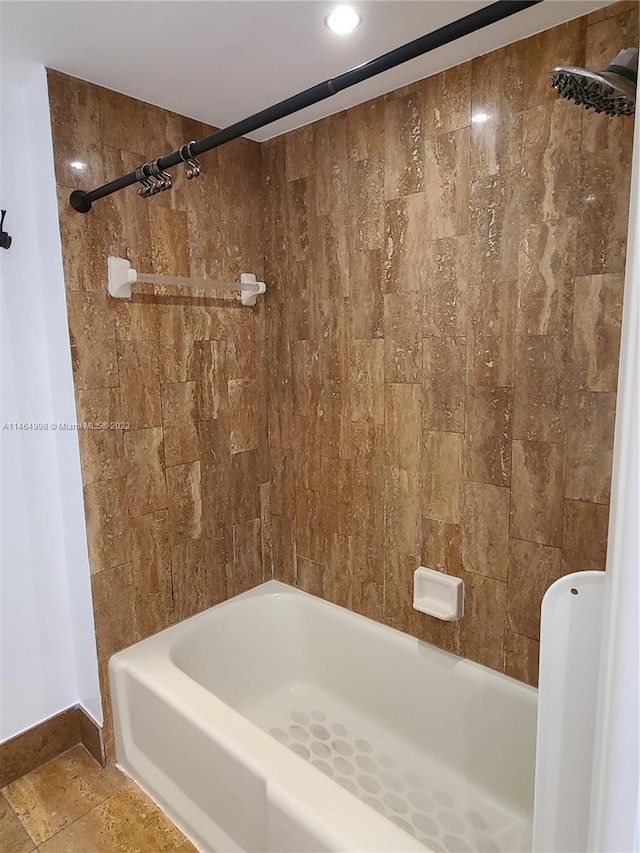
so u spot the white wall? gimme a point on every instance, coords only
(615, 812)
(48, 656)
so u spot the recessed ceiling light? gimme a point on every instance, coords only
(480, 118)
(342, 20)
(76, 164)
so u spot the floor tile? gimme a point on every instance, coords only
(13, 836)
(125, 823)
(59, 792)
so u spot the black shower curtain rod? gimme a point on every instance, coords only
(82, 200)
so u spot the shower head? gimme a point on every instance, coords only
(612, 91)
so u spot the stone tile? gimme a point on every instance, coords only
(546, 267)
(540, 396)
(442, 473)
(124, 226)
(169, 242)
(211, 380)
(402, 510)
(179, 417)
(332, 340)
(402, 337)
(111, 590)
(151, 552)
(490, 334)
(331, 174)
(562, 45)
(151, 568)
(138, 319)
(532, 570)
(93, 341)
(365, 192)
(613, 10)
(494, 213)
(405, 263)
(139, 371)
(444, 384)
(122, 118)
(366, 288)
(365, 131)
(551, 136)
(242, 414)
(308, 530)
(621, 25)
(487, 439)
(398, 590)
(368, 507)
(336, 494)
(145, 482)
(496, 102)
(284, 556)
(124, 823)
(165, 130)
(29, 750)
(537, 488)
(597, 318)
(101, 444)
(403, 146)
(300, 153)
(446, 181)
(75, 126)
(176, 344)
(306, 377)
(521, 658)
(185, 500)
(107, 522)
(87, 241)
(58, 793)
(13, 836)
(584, 539)
(299, 211)
(265, 530)
(241, 345)
(403, 409)
(367, 571)
(246, 477)
(366, 381)
(590, 446)
(445, 289)
(485, 530)
(199, 577)
(482, 628)
(330, 258)
(307, 450)
(448, 100)
(247, 550)
(309, 576)
(337, 573)
(441, 546)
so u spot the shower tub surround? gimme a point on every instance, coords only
(226, 719)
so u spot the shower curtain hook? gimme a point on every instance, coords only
(187, 157)
(147, 185)
(163, 179)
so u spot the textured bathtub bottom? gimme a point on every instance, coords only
(420, 795)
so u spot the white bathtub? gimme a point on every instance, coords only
(414, 748)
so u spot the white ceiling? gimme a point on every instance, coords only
(222, 61)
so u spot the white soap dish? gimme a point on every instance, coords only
(438, 594)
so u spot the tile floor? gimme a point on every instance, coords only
(72, 805)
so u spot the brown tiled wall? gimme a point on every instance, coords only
(174, 504)
(442, 336)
